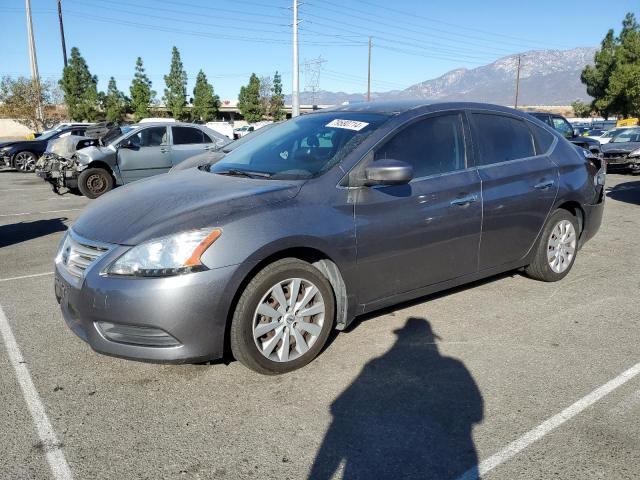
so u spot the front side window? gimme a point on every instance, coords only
(431, 146)
(501, 138)
(302, 147)
(150, 137)
(564, 127)
(628, 136)
(187, 135)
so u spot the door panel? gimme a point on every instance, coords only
(414, 235)
(150, 155)
(187, 142)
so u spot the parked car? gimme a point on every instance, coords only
(609, 134)
(562, 125)
(63, 126)
(57, 165)
(209, 158)
(324, 217)
(23, 154)
(148, 149)
(242, 131)
(623, 151)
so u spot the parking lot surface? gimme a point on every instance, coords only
(429, 389)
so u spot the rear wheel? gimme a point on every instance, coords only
(283, 317)
(94, 182)
(556, 251)
(25, 161)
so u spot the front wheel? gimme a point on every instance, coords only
(25, 161)
(94, 182)
(283, 317)
(556, 251)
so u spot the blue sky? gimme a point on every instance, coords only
(413, 40)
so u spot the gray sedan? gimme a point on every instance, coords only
(146, 150)
(320, 219)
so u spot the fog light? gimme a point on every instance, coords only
(134, 335)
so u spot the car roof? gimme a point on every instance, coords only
(400, 106)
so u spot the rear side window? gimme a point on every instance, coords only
(542, 138)
(187, 135)
(501, 138)
(432, 146)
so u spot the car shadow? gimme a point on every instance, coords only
(409, 414)
(24, 231)
(628, 192)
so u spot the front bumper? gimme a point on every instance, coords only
(621, 160)
(191, 308)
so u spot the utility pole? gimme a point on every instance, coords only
(369, 74)
(35, 77)
(295, 94)
(518, 81)
(64, 46)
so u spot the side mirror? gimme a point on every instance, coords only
(128, 144)
(388, 172)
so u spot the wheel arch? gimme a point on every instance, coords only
(102, 165)
(576, 210)
(313, 255)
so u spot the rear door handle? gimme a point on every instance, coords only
(544, 185)
(464, 201)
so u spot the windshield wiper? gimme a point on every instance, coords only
(244, 173)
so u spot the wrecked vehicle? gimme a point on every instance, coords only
(56, 165)
(623, 151)
(142, 151)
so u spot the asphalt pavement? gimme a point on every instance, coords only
(507, 377)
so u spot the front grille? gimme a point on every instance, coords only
(615, 156)
(78, 254)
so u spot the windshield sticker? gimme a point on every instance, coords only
(347, 124)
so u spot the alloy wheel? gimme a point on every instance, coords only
(561, 247)
(288, 320)
(25, 162)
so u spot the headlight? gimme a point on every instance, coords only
(5, 149)
(165, 256)
(635, 153)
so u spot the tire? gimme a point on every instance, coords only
(557, 248)
(278, 349)
(94, 182)
(25, 161)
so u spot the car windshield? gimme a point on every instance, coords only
(113, 140)
(300, 148)
(627, 136)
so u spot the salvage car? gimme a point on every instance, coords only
(562, 125)
(23, 154)
(322, 218)
(147, 149)
(623, 151)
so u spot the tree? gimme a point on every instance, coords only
(249, 102)
(266, 86)
(581, 109)
(277, 99)
(613, 80)
(19, 101)
(80, 88)
(205, 102)
(115, 102)
(141, 94)
(175, 95)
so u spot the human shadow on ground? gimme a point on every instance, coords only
(23, 231)
(628, 192)
(409, 414)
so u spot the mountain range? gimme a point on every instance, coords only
(547, 77)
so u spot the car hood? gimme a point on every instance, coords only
(167, 204)
(20, 143)
(626, 147)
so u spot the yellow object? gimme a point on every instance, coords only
(31, 136)
(628, 122)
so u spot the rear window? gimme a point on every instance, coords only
(501, 138)
(187, 135)
(543, 139)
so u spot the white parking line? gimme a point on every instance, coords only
(39, 213)
(55, 456)
(552, 423)
(10, 279)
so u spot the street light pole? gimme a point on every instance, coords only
(35, 77)
(64, 46)
(518, 81)
(369, 74)
(295, 94)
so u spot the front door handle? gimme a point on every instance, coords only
(544, 185)
(464, 201)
